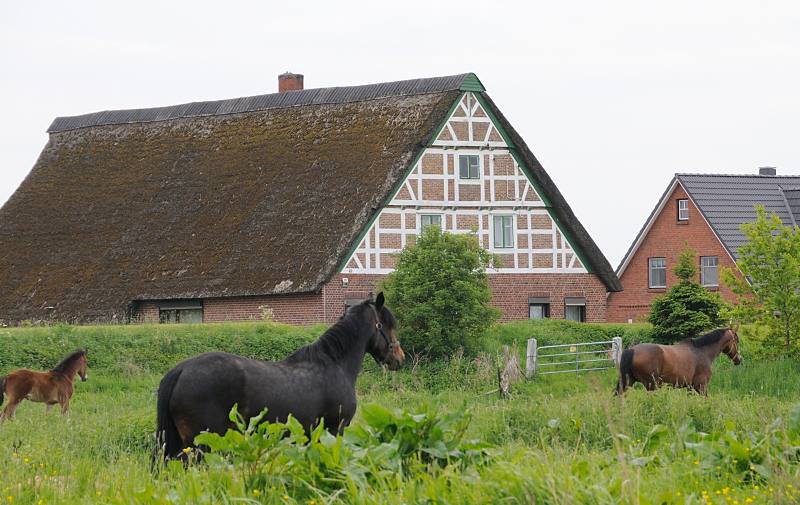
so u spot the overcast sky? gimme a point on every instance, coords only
(613, 97)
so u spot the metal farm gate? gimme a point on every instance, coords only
(572, 358)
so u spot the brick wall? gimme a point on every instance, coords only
(510, 294)
(667, 238)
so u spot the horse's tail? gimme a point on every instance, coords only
(625, 365)
(2, 389)
(168, 439)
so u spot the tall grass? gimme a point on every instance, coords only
(559, 439)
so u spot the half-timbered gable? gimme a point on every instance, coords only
(468, 181)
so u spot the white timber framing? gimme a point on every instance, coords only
(437, 189)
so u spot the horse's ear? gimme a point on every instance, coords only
(379, 301)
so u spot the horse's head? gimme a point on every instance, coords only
(731, 348)
(384, 346)
(83, 366)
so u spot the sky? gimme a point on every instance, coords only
(613, 97)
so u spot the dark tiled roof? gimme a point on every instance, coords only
(727, 201)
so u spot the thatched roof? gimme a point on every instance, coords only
(252, 196)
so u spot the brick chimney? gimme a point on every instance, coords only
(767, 171)
(290, 82)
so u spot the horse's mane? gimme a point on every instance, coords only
(65, 363)
(335, 342)
(712, 337)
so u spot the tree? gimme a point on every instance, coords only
(440, 293)
(769, 288)
(688, 308)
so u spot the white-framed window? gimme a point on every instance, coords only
(709, 271)
(503, 232)
(683, 209)
(575, 309)
(657, 274)
(469, 166)
(426, 220)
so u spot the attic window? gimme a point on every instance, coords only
(430, 219)
(469, 166)
(683, 209)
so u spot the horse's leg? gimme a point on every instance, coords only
(701, 386)
(651, 384)
(13, 403)
(64, 401)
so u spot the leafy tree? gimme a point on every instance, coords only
(770, 261)
(440, 293)
(688, 308)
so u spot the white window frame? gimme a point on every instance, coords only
(505, 246)
(703, 268)
(422, 226)
(683, 209)
(650, 269)
(480, 168)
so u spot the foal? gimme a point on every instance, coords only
(685, 364)
(50, 387)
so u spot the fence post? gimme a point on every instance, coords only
(617, 346)
(530, 358)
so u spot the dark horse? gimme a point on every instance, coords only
(317, 382)
(49, 388)
(685, 364)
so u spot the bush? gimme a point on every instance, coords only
(440, 293)
(389, 443)
(688, 308)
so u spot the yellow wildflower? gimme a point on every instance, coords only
(187, 450)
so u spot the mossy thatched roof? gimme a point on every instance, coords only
(249, 203)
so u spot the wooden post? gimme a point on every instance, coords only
(530, 358)
(616, 346)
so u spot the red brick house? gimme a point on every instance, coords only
(291, 204)
(705, 212)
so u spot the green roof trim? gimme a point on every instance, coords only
(437, 131)
(472, 83)
(548, 205)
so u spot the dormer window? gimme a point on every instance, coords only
(683, 209)
(469, 166)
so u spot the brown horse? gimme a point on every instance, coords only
(685, 364)
(50, 387)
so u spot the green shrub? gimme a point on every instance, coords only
(688, 308)
(387, 444)
(134, 349)
(440, 293)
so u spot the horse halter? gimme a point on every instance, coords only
(390, 345)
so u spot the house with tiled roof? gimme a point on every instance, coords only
(704, 212)
(289, 205)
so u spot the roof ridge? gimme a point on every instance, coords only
(683, 174)
(312, 96)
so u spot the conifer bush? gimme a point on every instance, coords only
(687, 309)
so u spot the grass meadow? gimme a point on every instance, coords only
(559, 439)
